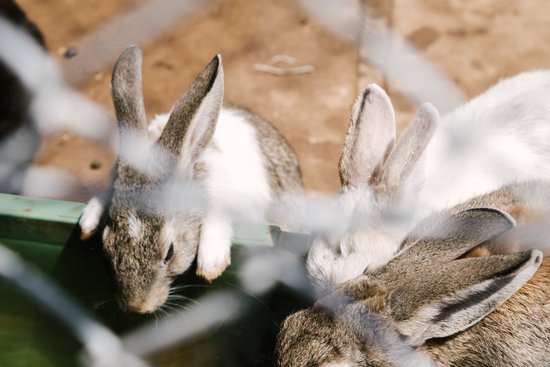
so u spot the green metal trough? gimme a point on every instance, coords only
(45, 233)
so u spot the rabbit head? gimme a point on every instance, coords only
(428, 290)
(146, 244)
(379, 183)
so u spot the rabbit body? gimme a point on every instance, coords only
(430, 305)
(389, 186)
(181, 181)
(500, 137)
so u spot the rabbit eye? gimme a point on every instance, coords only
(169, 254)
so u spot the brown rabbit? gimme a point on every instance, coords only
(432, 306)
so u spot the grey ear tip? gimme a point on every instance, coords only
(536, 256)
(217, 62)
(132, 50)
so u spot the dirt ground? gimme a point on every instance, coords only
(475, 42)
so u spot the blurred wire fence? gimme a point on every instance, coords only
(56, 105)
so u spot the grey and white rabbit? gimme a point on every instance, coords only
(388, 186)
(432, 305)
(237, 162)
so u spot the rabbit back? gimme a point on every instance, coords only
(498, 138)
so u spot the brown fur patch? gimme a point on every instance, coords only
(478, 252)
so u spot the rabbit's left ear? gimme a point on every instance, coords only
(450, 298)
(193, 119)
(369, 138)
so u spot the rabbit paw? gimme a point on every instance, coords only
(214, 253)
(211, 265)
(89, 221)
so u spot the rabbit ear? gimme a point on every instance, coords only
(447, 299)
(408, 150)
(127, 90)
(447, 240)
(193, 120)
(370, 135)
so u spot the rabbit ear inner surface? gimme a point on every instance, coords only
(127, 90)
(404, 158)
(193, 120)
(369, 138)
(457, 295)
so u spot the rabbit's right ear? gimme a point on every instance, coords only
(447, 240)
(404, 158)
(369, 138)
(127, 90)
(193, 120)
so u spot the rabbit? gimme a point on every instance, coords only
(430, 305)
(387, 187)
(236, 160)
(34, 101)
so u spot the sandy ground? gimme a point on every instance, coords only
(474, 42)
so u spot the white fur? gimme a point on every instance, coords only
(135, 226)
(237, 181)
(237, 185)
(237, 177)
(156, 125)
(509, 123)
(500, 137)
(91, 216)
(214, 253)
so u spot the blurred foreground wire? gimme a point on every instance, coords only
(408, 70)
(142, 24)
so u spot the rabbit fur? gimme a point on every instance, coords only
(235, 161)
(388, 186)
(431, 305)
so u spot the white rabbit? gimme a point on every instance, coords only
(500, 137)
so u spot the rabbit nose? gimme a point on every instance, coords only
(142, 306)
(149, 303)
